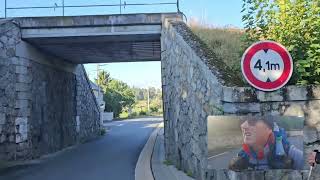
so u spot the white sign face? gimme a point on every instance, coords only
(267, 65)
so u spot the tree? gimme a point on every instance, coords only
(103, 79)
(293, 23)
(118, 95)
(139, 94)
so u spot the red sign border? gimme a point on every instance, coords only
(267, 86)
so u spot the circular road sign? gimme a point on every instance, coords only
(267, 65)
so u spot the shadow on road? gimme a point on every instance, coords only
(112, 156)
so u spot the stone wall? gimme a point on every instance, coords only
(196, 85)
(190, 93)
(88, 114)
(51, 109)
(8, 77)
(41, 100)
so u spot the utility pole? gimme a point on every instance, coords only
(98, 81)
(148, 99)
(5, 8)
(62, 7)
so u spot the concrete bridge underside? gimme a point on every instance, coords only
(97, 39)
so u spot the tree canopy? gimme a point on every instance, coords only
(293, 23)
(125, 101)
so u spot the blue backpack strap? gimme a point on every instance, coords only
(243, 154)
(285, 142)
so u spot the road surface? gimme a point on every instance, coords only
(111, 157)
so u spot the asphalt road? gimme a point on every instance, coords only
(111, 157)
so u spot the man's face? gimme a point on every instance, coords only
(255, 132)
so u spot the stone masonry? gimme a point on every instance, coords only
(87, 108)
(195, 86)
(45, 104)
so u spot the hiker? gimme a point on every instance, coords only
(265, 146)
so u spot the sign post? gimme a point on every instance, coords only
(267, 65)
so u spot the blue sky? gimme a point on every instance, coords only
(142, 74)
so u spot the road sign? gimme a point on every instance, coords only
(267, 65)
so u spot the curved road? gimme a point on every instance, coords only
(111, 157)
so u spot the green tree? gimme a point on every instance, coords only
(293, 23)
(103, 79)
(155, 99)
(140, 94)
(118, 95)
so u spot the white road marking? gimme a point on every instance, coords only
(218, 155)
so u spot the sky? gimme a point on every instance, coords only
(218, 13)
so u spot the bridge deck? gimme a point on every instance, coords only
(97, 39)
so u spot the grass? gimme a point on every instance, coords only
(225, 43)
(167, 162)
(189, 173)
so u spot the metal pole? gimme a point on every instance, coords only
(62, 7)
(98, 81)
(5, 8)
(120, 7)
(178, 8)
(148, 99)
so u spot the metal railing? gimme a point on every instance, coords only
(122, 4)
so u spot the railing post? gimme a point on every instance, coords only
(120, 7)
(178, 8)
(62, 7)
(5, 8)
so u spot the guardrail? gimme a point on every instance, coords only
(122, 4)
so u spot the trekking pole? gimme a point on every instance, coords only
(310, 171)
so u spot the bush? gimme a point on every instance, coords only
(133, 114)
(102, 132)
(118, 96)
(124, 114)
(167, 162)
(142, 113)
(294, 24)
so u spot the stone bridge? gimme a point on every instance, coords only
(46, 100)
(47, 105)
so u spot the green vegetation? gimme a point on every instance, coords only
(189, 173)
(102, 132)
(140, 107)
(167, 162)
(294, 24)
(127, 102)
(118, 96)
(225, 43)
